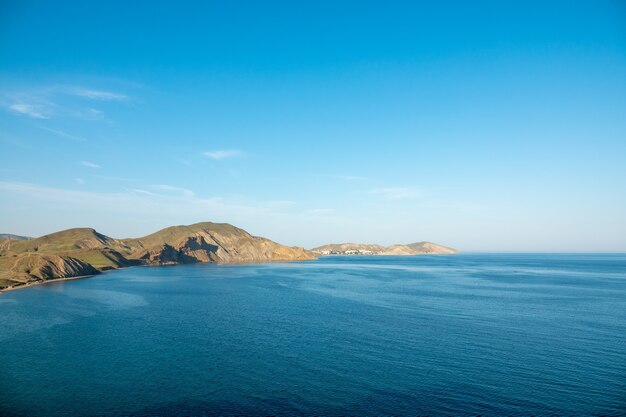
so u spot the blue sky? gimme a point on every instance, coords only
(483, 126)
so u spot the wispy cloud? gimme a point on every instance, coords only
(172, 189)
(144, 192)
(146, 208)
(96, 94)
(396, 193)
(153, 202)
(90, 114)
(34, 111)
(63, 134)
(223, 154)
(89, 164)
(80, 181)
(59, 100)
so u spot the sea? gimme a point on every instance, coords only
(476, 334)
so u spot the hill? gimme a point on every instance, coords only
(348, 248)
(9, 236)
(419, 248)
(84, 251)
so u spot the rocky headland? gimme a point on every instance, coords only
(83, 251)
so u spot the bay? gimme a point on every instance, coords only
(468, 334)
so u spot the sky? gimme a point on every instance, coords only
(485, 126)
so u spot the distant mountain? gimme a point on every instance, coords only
(9, 236)
(83, 251)
(419, 248)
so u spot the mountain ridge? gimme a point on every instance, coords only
(10, 236)
(84, 251)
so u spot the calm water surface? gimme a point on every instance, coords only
(472, 334)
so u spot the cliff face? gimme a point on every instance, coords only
(44, 266)
(84, 251)
(37, 267)
(210, 242)
(419, 248)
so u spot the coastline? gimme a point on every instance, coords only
(46, 281)
(33, 283)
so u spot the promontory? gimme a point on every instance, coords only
(83, 251)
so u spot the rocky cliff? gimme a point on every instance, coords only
(83, 251)
(209, 242)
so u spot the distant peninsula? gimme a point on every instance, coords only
(81, 252)
(419, 248)
(9, 236)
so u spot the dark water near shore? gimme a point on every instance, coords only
(488, 334)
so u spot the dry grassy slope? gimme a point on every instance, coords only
(209, 242)
(429, 247)
(84, 244)
(65, 253)
(399, 250)
(32, 267)
(71, 239)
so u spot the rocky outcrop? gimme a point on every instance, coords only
(49, 266)
(207, 242)
(167, 254)
(84, 251)
(37, 267)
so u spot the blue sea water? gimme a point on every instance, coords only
(470, 334)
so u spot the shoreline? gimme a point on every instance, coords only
(34, 283)
(46, 281)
